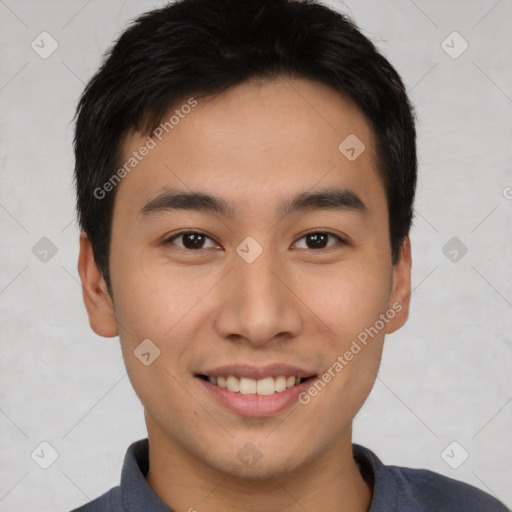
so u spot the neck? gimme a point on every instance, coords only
(330, 483)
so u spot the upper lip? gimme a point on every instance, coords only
(258, 372)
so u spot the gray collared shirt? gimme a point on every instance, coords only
(395, 489)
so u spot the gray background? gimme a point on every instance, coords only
(445, 377)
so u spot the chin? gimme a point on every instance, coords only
(262, 470)
(258, 460)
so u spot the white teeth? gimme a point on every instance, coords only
(280, 383)
(262, 387)
(266, 386)
(233, 384)
(247, 386)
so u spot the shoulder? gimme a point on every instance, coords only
(438, 492)
(416, 490)
(108, 502)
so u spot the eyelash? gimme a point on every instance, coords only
(170, 240)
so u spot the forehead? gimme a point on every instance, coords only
(254, 143)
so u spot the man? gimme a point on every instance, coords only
(245, 173)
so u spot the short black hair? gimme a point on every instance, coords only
(201, 48)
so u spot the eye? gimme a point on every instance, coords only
(195, 240)
(318, 240)
(191, 240)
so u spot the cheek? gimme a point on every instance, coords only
(346, 298)
(153, 297)
(156, 303)
(349, 301)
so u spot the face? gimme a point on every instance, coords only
(257, 291)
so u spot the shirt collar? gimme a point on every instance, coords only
(136, 494)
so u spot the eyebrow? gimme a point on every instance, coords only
(330, 198)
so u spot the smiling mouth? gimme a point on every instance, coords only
(261, 387)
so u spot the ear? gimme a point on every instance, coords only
(97, 300)
(401, 293)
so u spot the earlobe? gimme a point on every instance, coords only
(401, 293)
(96, 297)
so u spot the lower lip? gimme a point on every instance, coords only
(256, 406)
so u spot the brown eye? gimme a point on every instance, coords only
(190, 240)
(319, 240)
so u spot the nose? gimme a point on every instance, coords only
(259, 305)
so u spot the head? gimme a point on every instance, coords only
(300, 139)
